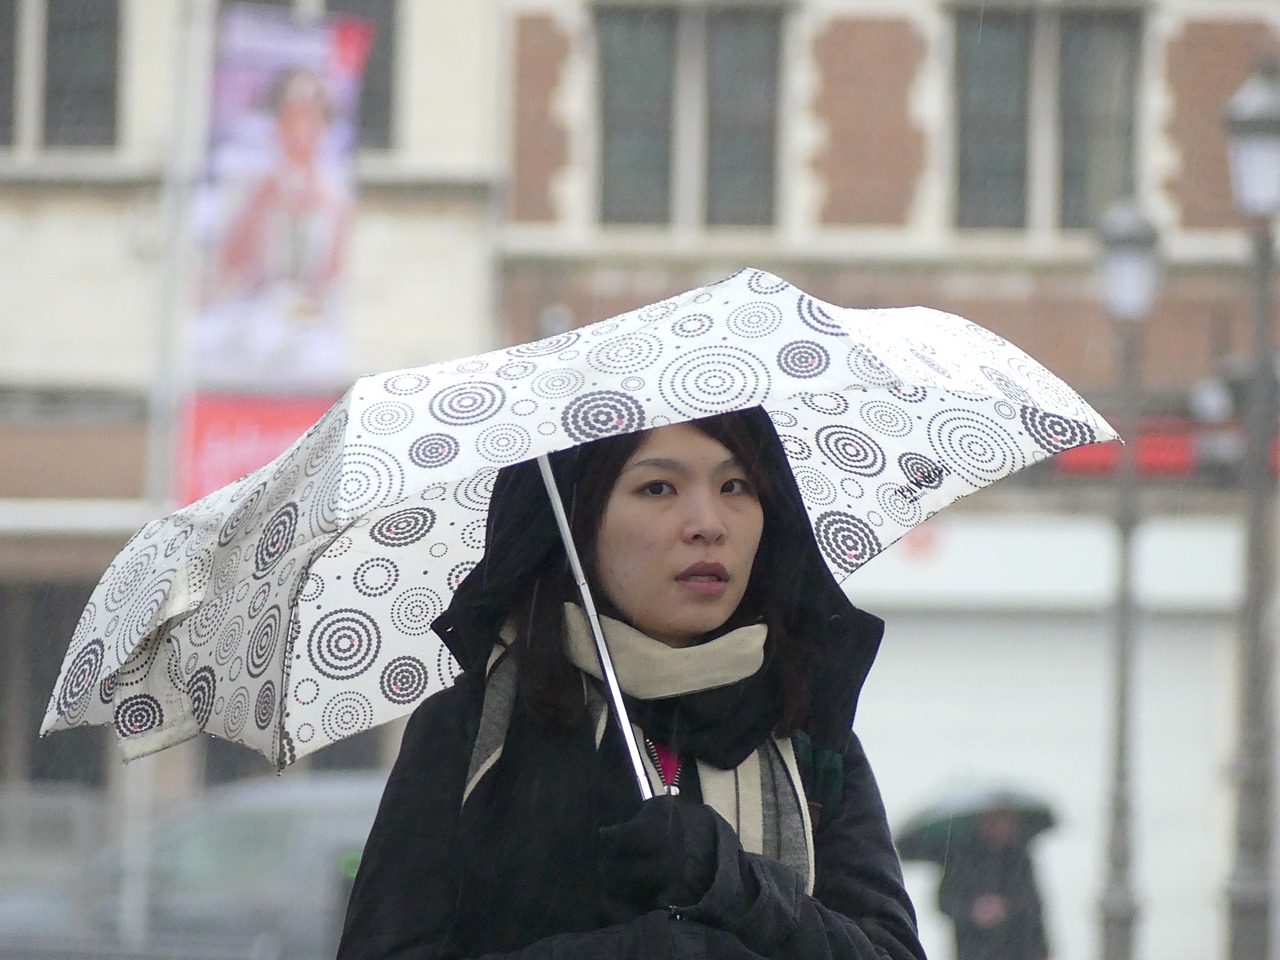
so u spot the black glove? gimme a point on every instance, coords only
(664, 856)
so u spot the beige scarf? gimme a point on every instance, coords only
(762, 798)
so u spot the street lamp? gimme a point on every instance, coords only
(1253, 132)
(1130, 272)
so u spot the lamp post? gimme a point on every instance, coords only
(1130, 278)
(1253, 132)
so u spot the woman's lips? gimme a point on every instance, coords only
(705, 588)
(705, 579)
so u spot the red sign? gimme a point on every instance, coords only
(227, 437)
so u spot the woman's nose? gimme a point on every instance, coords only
(704, 521)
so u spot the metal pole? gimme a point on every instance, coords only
(1249, 886)
(1119, 908)
(602, 649)
(137, 784)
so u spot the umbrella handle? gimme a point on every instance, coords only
(588, 604)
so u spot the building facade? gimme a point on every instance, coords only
(531, 165)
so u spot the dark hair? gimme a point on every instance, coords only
(279, 92)
(524, 575)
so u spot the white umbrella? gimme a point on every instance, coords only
(293, 607)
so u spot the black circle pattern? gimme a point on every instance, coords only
(815, 317)
(474, 492)
(264, 708)
(503, 443)
(558, 384)
(405, 384)
(375, 577)
(138, 714)
(202, 689)
(707, 380)
(846, 540)
(602, 413)
(1054, 432)
(403, 527)
(885, 417)
(977, 448)
(80, 676)
(387, 417)
(1006, 385)
(403, 680)
(345, 715)
(459, 573)
(262, 642)
(850, 450)
(344, 643)
(692, 325)
(921, 472)
(466, 403)
(276, 539)
(803, 359)
(629, 353)
(870, 369)
(899, 502)
(545, 347)
(433, 450)
(239, 518)
(237, 711)
(753, 320)
(414, 610)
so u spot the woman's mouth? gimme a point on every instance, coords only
(705, 579)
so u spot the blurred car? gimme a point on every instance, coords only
(267, 860)
(45, 831)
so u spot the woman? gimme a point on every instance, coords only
(511, 824)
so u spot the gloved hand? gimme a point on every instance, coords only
(664, 856)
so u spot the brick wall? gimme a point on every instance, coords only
(874, 152)
(1206, 63)
(540, 141)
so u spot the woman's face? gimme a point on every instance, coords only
(679, 535)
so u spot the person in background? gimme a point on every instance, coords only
(988, 889)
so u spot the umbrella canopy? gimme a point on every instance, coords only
(293, 607)
(930, 834)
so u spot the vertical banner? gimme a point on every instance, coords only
(273, 215)
(275, 210)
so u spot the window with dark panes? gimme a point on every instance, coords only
(1098, 66)
(992, 63)
(377, 87)
(637, 53)
(8, 67)
(689, 113)
(742, 114)
(82, 46)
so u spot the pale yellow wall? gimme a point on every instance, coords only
(420, 282)
(449, 63)
(77, 305)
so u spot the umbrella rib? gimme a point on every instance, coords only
(606, 661)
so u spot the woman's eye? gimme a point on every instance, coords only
(657, 488)
(736, 485)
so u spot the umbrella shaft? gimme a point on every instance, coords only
(588, 604)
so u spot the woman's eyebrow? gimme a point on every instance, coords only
(679, 467)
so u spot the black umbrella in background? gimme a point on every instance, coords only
(930, 833)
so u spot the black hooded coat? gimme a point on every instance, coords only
(515, 872)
